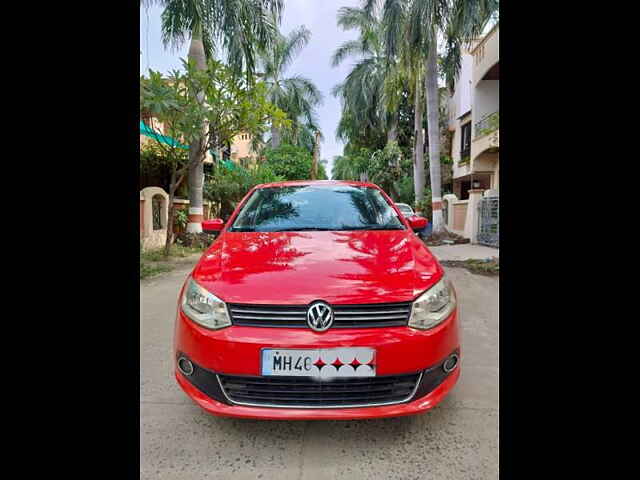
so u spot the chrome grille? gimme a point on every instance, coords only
(345, 316)
(306, 392)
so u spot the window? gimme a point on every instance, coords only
(465, 147)
(343, 207)
(156, 210)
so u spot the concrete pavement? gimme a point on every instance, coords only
(464, 251)
(456, 440)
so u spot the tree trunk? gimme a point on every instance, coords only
(196, 157)
(170, 215)
(418, 154)
(392, 133)
(275, 137)
(433, 128)
(316, 157)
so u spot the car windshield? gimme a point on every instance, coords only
(311, 207)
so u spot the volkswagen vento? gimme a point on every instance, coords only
(317, 301)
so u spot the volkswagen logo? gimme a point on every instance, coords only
(319, 316)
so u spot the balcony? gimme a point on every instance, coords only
(486, 125)
(486, 56)
(486, 142)
(486, 137)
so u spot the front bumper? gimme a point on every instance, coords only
(236, 351)
(419, 405)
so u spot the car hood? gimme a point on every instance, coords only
(297, 268)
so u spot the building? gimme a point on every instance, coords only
(239, 152)
(474, 120)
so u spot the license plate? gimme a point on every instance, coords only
(321, 363)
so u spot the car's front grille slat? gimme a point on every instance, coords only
(237, 311)
(372, 312)
(345, 316)
(370, 317)
(261, 317)
(306, 392)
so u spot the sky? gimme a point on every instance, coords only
(313, 62)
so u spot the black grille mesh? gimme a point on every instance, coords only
(310, 392)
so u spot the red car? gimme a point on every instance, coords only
(317, 301)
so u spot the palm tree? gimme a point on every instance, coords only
(296, 95)
(458, 21)
(344, 168)
(303, 133)
(370, 93)
(239, 27)
(395, 22)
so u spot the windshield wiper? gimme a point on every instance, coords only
(372, 227)
(303, 229)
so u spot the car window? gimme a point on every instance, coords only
(311, 207)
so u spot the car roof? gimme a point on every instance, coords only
(302, 183)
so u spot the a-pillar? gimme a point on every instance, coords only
(471, 222)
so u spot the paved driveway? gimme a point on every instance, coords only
(456, 440)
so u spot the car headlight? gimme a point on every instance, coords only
(433, 306)
(203, 307)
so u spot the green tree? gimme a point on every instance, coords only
(296, 95)
(231, 105)
(370, 94)
(238, 27)
(353, 164)
(384, 168)
(154, 168)
(343, 168)
(227, 187)
(419, 28)
(292, 162)
(395, 25)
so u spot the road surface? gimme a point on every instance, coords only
(456, 440)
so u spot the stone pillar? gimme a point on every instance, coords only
(450, 198)
(471, 222)
(141, 216)
(154, 238)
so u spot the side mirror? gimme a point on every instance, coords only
(417, 223)
(212, 226)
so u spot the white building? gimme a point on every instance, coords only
(474, 120)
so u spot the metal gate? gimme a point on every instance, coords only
(489, 219)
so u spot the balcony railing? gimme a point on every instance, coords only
(487, 124)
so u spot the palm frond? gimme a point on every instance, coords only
(349, 48)
(394, 26)
(239, 27)
(353, 17)
(293, 44)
